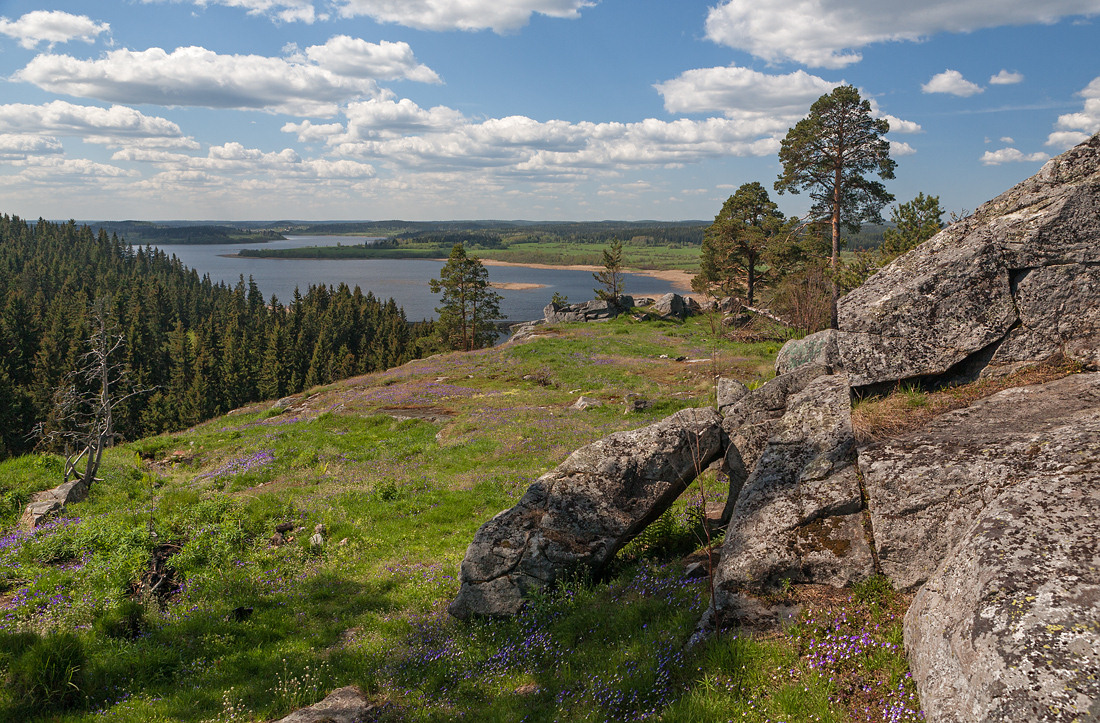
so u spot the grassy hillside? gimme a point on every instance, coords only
(400, 468)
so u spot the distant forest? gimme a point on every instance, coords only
(199, 348)
(146, 232)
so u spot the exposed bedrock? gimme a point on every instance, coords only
(1015, 283)
(585, 510)
(995, 511)
(926, 489)
(798, 515)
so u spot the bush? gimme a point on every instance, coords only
(124, 622)
(50, 674)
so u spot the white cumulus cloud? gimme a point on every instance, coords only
(743, 93)
(92, 123)
(951, 82)
(1074, 128)
(1012, 155)
(356, 58)
(18, 146)
(52, 26)
(1006, 77)
(900, 148)
(404, 135)
(829, 33)
(287, 11)
(897, 125)
(501, 16)
(195, 76)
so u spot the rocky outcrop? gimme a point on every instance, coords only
(581, 513)
(926, 489)
(1014, 284)
(996, 510)
(674, 306)
(595, 310)
(818, 349)
(798, 515)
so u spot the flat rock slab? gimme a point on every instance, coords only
(343, 705)
(926, 489)
(584, 511)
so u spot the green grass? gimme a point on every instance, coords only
(399, 501)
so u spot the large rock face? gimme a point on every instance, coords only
(798, 515)
(999, 509)
(926, 489)
(1015, 283)
(584, 511)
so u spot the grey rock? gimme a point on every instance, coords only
(595, 310)
(525, 331)
(584, 402)
(798, 516)
(36, 514)
(729, 392)
(51, 502)
(277, 540)
(580, 514)
(672, 306)
(926, 488)
(1013, 284)
(819, 349)
(343, 705)
(1008, 627)
(636, 403)
(317, 540)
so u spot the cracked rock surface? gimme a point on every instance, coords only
(1014, 283)
(1008, 626)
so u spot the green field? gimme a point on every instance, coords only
(399, 500)
(555, 253)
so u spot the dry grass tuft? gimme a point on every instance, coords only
(909, 407)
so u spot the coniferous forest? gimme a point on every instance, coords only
(191, 349)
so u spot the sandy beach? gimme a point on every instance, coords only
(679, 279)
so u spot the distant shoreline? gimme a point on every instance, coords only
(679, 278)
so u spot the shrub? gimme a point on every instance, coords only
(50, 674)
(126, 621)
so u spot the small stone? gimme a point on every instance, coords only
(343, 542)
(317, 540)
(587, 403)
(277, 540)
(284, 527)
(319, 528)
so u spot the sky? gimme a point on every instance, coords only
(515, 109)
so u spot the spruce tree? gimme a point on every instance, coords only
(469, 306)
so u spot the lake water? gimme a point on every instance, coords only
(406, 280)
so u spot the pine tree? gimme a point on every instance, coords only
(830, 152)
(469, 306)
(611, 278)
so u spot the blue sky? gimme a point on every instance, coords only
(514, 109)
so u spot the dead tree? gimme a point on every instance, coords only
(81, 423)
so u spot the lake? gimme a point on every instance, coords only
(406, 280)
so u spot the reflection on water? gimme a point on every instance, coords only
(406, 280)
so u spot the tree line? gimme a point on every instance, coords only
(194, 348)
